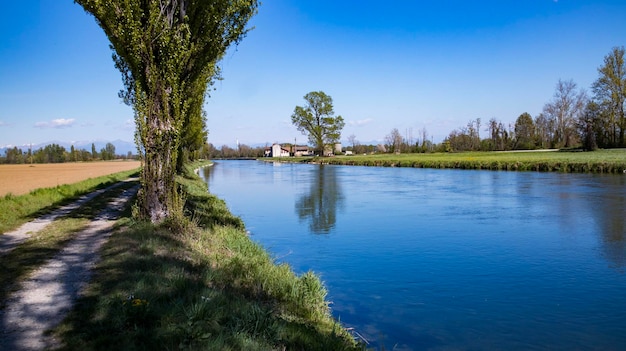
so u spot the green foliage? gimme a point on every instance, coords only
(194, 133)
(524, 132)
(316, 119)
(204, 209)
(108, 152)
(52, 153)
(167, 53)
(610, 93)
(589, 126)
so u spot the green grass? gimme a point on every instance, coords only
(16, 210)
(601, 161)
(205, 286)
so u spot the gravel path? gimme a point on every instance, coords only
(44, 299)
(11, 239)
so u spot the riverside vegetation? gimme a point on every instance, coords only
(194, 282)
(600, 161)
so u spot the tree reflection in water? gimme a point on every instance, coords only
(319, 206)
(610, 214)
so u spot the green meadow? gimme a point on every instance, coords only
(601, 161)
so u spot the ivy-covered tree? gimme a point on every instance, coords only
(167, 51)
(316, 119)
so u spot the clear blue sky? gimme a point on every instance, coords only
(399, 64)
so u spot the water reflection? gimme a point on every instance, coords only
(319, 205)
(610, 209)
(206, 173)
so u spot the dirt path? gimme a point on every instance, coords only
(13, 238)
(44, 299)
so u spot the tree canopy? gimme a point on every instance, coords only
(316, 119)
(167, 52)
(610, 92)
(524, 132)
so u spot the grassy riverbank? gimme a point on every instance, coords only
(199, 285)
(16, 210)
(601, 161)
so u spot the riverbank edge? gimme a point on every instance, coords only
(203, 285)
(601, 162)
(320, 317)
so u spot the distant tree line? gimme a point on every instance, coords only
(571, 119)
(54, 153)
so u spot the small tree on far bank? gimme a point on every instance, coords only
(524, 132)
(94, 153)
(316, 119)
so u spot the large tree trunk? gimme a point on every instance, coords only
(159, 139)
(155, 182)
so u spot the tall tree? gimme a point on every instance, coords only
(353, 141)
(316, 119)
(108, 152)
(393, 141)
(524, 132)
(544, 131)
(194, 134)
(167, 51)
(72, 154)
(566, 105)
(587, 126)
(610, 90)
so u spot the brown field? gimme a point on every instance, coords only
(21, 179)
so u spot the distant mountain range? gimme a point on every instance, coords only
(121, 147)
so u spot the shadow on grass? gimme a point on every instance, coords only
(22, 260)
(152, 291)
(71, 195)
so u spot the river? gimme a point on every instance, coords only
(425, 259)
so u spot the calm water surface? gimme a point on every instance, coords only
(421, 259)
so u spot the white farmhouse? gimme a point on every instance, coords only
(276, 151)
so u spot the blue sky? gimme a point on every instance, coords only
(399, 64)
